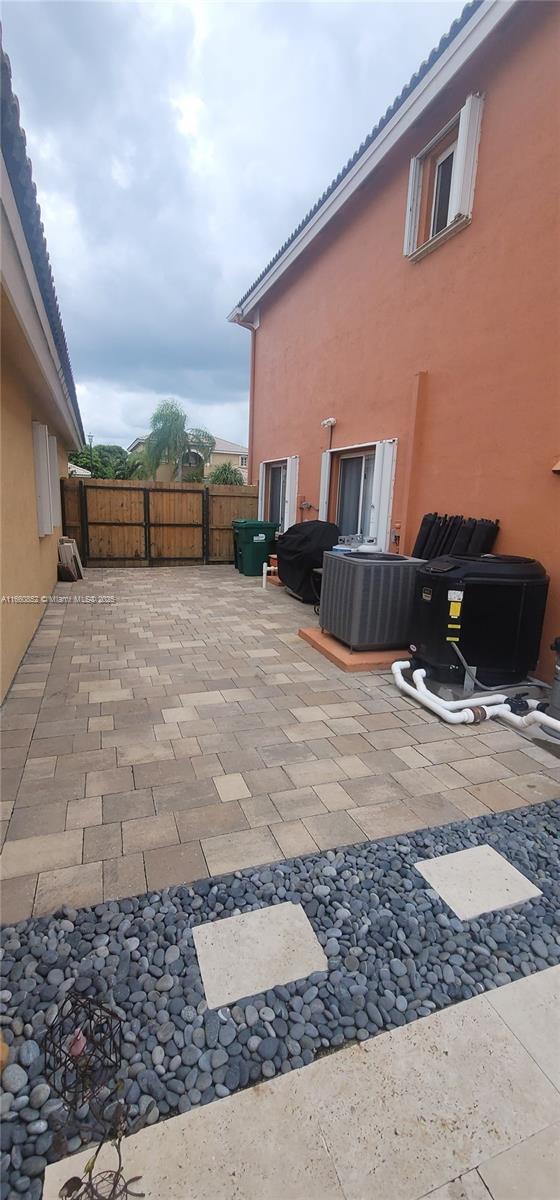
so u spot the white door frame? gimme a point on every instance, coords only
(343, 458)
(383, 482)
(291, 489)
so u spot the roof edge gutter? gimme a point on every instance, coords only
(478, 28)
(249, 317)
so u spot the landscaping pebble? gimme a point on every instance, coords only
(395, 953)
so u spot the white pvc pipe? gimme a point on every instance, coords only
(465, 712)
(531, 718)
(264, 574)
(464, 717)
(455, 705)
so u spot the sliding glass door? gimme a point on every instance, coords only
(355, 494)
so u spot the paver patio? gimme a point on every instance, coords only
(185, 729)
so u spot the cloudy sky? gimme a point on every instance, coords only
(175, 147)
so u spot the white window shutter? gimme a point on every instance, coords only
(290, 506)
(382, 498)
(466, 156)
(262, 487)
(56, 507)
(42, 478)
(324, 485)
(412, 204)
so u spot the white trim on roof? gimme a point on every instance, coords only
(20, 282)
(463, 46)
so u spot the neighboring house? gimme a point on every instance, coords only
(78, 472)
(228, 452)
(39, 411)
(223, 452)
(416, 307)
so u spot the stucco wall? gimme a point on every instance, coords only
(217, 458)
(27, 562)
(457, 355)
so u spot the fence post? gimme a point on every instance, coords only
(63, 508)
(84, 521)
(147, 536)
(206, 525)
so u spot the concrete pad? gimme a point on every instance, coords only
(531, 1009)
(531, 1169)
(476, 881)
(246, 954)
(433, 1100)
(351, 660)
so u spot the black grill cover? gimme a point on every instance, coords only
(299, 550)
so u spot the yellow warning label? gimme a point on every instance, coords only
(455, 608)
(453, 625)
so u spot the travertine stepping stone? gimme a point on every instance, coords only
(476, 881)
(243, 955)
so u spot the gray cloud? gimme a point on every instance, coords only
(174, 148)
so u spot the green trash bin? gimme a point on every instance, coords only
(236, 526)
(255, 541)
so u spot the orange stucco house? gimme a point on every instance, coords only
(39, 416)
(417, 304)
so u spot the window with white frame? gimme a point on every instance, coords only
(443, 173)
(242, 460)
(441, 181)
(42, 478)
(54, 472)
(47, 479)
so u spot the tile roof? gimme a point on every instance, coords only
(459, 24)
(223, 447)
(220, 445)
(18, 166)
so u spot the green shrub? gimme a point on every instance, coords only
(227, 474)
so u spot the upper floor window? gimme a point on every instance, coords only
(441, 182)
(443, 173)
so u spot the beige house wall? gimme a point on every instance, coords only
(217, 458)
(28, 563)
(165, 472)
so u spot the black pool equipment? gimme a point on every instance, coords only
(484, 611)
(300, 549)
(454, 535)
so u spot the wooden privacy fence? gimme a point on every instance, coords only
(131, 523)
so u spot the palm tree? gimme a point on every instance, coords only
(170, 440)
(135, 467)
